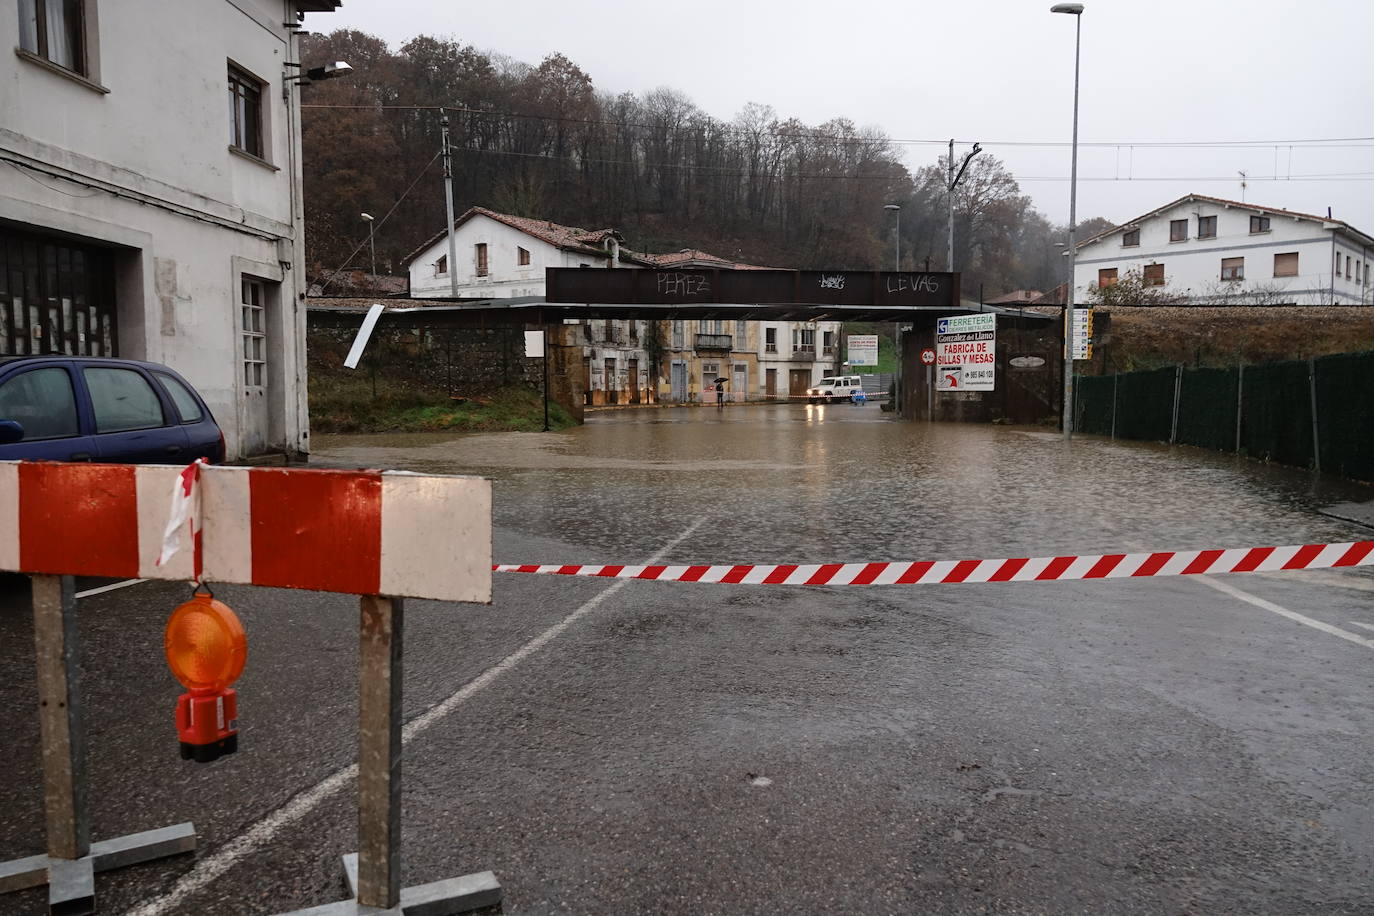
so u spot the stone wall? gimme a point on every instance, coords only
(465, 362)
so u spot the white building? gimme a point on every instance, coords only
(1209, 250)
(502, 256)
(141, 216)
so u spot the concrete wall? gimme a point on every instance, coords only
(1192, 267)
(137, 157)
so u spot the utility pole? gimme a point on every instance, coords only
(448, 203)
(954, 183)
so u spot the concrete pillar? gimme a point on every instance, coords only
(565, 368)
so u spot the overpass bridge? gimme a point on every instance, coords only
(917, 299)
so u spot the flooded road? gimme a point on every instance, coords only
(1172, 745)
(821, 484)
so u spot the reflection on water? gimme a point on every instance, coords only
(848, 483)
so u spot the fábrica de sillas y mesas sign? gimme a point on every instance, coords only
(966, 353)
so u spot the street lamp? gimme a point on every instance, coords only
(367, 217)
(897, 211)
(1075, 10)
(897, 328)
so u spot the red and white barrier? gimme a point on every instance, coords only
(359, 532)
(1025, 569)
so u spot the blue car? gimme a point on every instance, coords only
(77, 408)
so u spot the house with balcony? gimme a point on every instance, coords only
(1208, 250)
(143, 217)
(629, 361)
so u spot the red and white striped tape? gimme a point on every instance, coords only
(1024, 569)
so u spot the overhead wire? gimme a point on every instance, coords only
(814, 133)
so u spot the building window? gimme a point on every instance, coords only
(677, 334)
(1233, 268)
(480, 250)
(1286, 265)
(254, 332)
(1154, 275)
(55, 30)
(441, 266)
(1130, 239)
(522, 257)
(1347, 267)
(803, 340)
(770, 340)
(828, 343)
(245, 112)
(1106, 277)
(1178, 230)
(1206, 227)
(740, 334)
(1259, 224)
(55, 297)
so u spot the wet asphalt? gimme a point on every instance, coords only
(1148, 746)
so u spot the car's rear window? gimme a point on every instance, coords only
(187, 405)
(123, 400)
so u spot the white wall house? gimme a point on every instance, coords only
(1209, 250)
(502, 256)
(143, 217)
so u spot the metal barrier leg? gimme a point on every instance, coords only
(374, 872)
(59, 716)
(69, 867)
(382, 628)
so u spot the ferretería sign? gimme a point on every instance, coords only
(966, 353)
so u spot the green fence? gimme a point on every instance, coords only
(1265, 412)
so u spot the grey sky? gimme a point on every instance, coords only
(994, 71)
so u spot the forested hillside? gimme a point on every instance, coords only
(542, 141)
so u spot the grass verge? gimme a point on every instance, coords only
(348, 405)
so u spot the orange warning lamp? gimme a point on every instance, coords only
(206, 650)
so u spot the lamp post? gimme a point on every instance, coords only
(371, 244)
(1075, 10)
(896, 210)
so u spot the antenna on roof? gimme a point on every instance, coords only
(1243, 176)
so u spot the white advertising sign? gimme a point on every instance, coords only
(863, 350)
(1082, 334)
(966, 353)
(534, 344)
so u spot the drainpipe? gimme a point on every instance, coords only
(1331, 262)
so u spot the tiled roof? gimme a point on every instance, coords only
(589, 242)
(697, 258)
(1221, 201)
(1019, 296)
(568, 238)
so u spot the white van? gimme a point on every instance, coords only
(834, 388)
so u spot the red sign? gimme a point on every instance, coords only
(928, 356)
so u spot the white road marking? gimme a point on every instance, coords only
(212, 866)
(1367, 626)
(1350, 580)
(1283, 611)
(109, 588)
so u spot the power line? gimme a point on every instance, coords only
(722, 170)
(721, 127)
(381, 222)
